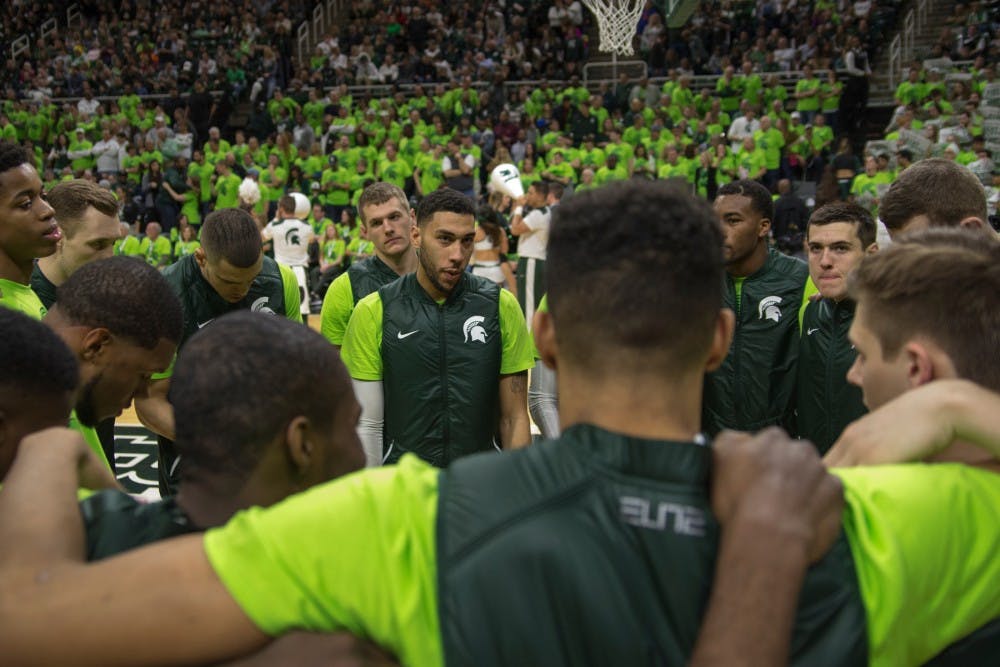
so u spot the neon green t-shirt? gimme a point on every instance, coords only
(338, 304)
(362, 350)
(359, 554)
(21, 298)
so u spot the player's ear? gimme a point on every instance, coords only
(300, 449)
(919, 364)
(722, 337)
(415, 235)
(95, 343)
(200, 257)
(765, 227)
(973, 222)
(544, 332)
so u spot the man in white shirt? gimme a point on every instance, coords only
(107, 152)
(533, 232)
(291, 236)
(743, 127)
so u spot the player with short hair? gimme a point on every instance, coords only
(754, 386)
(252, 449)
(88, 217)
(934, 193)
(228, 272)
(38, 379)
(838, 237)
(440, 356)
(927, 309)
(291, 236)
(387, 221)
(103, 314)
(28, 228)
(439, 566)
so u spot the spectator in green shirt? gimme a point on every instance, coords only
(807, 91)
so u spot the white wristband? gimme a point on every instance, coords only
(519, 210)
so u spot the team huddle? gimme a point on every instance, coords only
(371, 493)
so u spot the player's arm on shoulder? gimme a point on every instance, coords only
(154, 410)
(290, 289)
(921, 423)
(46, 610)
(779, 510)
(49, 593)
(337, 306)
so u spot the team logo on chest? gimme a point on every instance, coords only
(473, 329)
(769, 309)
(261, 306)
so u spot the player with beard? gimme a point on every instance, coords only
(103, 314)
(440, 566)
(455, 340)
(28, 229)
(387, 221)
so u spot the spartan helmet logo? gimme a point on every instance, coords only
(505, 173)
(769, 308)
(474, 330)
(260, 306)
(292, 237)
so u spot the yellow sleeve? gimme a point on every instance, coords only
(362, 350)
(291, 288)
(518, 349)
(809, 290)
(337, 306)
(925, 539)
(356, 553)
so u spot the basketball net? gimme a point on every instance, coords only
(616, 23)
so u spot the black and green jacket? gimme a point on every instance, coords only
(202, 304)
(441, 387)
(825, 402)
(755, 384)
(632, 519)
(368, 276)
(43, 287)
(115, 522)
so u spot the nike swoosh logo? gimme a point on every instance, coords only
(810, 332)
(206, 322)
(400, 335)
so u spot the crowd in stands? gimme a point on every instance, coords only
(169, 162)
(775, 35)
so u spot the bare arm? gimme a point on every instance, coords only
(779, 510)
(307, 649)
(515, 431)
(922, 423)
(155, 411)
(49, 594)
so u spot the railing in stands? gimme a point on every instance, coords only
(902, 49)
(73, 14)
(22, 44)
(19, 46)
(310, 32)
